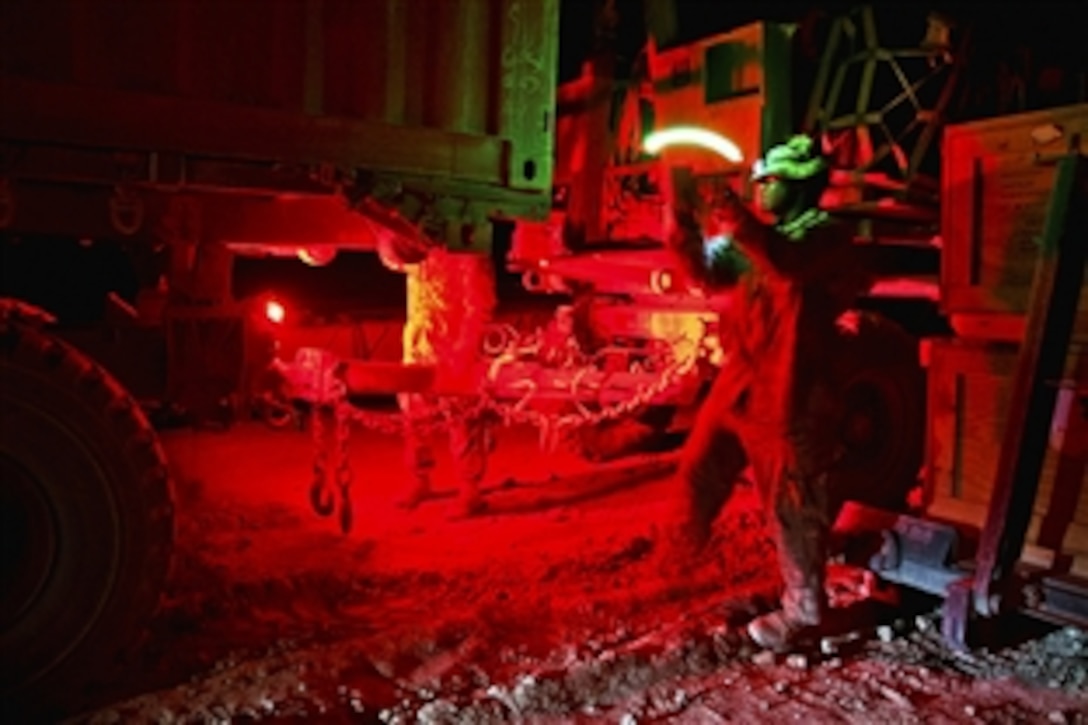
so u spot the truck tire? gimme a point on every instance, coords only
(882, 392)
(86, 518)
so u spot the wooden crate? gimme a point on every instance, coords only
(969, 392)
(996, 183)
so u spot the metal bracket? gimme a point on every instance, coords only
(920, 554)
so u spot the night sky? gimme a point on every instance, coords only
(1051, 29)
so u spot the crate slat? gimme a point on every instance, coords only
(970, 384)
(996, 184)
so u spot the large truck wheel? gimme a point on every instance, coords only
(86, 521)
(882, 393)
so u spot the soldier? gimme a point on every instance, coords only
(772, 405)
(451, 297)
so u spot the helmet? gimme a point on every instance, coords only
(796, 160)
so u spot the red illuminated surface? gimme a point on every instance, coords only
(555, 562)
(274, 311)
(271, 609)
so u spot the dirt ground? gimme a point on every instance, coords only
(548, 608)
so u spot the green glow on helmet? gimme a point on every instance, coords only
(797, 159)
(692, 136)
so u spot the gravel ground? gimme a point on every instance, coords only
(551, 607)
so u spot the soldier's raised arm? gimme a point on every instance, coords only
(788, 249)
(710, 263)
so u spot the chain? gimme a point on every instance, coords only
(521, 411)
(343, 468)
(323, 424)
(333, 416)
(393, 424)
(552, 426)
(331, 429)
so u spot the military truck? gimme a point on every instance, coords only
(186, 133)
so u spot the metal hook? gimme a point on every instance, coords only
(321, 499)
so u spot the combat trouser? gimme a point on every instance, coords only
(790, 464)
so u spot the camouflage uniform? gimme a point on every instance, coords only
(772, 407)
(451, 298)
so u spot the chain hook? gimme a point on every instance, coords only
(321, 498)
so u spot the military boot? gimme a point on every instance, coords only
(797, 623)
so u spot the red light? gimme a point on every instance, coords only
(275, 311)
